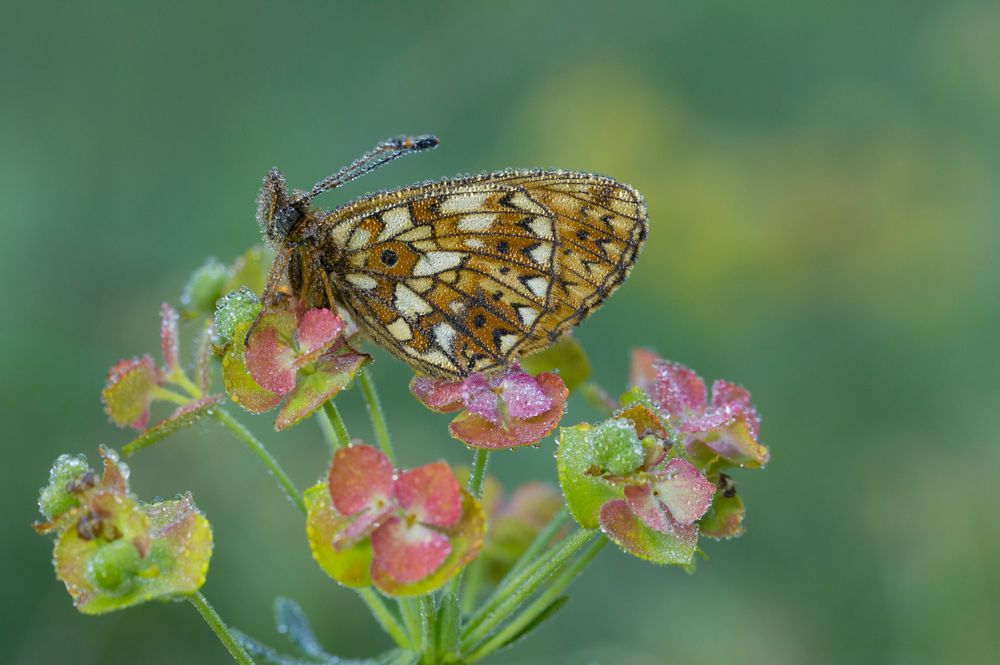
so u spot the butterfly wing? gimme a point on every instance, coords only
(467, 275)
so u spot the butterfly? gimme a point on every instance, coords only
(460, 275)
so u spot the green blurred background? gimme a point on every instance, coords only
(822, 181)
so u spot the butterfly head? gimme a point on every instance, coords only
(277, 214)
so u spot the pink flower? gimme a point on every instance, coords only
(402, 514)
(726, 425)
(504, 410)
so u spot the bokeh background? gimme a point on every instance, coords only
(822, 180)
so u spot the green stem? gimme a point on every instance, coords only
(377, 414)
(386, 619)
(540, 604)
(540, 542)
(168, 395)
(478, 474)
(476, 478)
(220, 629)
(503, 601)
(343, 439)
(258, 449)
(329, 434)
(428, 614)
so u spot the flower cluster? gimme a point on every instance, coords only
(111, 550)
(408, 532)
(651, 476)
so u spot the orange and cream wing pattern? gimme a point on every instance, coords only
(467, 275)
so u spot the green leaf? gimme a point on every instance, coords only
(550, 611)
(449, 621)
(331, 375)
(291, 622)
(724, 518)
(565, 356)
(183, 417)
(616, 447)
(234, 311)
(585, 492)
(240, 386)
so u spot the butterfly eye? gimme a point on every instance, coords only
(285, 220)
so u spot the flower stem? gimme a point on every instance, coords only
(377, 414)
(220, 629)
(503, 601)
(343, 439)
(540, 604)
(385, 618)
(258, 449)
(478, 474)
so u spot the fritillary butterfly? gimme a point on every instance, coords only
(461, 275)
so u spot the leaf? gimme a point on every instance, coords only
(565, 356)
(183, 417)
(584, 491)
(628, 532)
(550, 611)
(291, 622)
(349, 566)
(449, 621)
(332, 374)
(129, 391)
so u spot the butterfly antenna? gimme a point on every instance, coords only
(380, 155)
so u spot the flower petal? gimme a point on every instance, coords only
(726, 394)
(647, 507)
(678, 389)
(240, 386)
(318, 330)
(480, 399)
(360, 477)
(407, 554)
(523, 395)
(734, 442)
(683, 490)
(623, 527)
(271, 360)
(129, 391)
(478, 432)
(431, 494)
(465, 538)
(643, 371)
(724, 519)
(437, 394)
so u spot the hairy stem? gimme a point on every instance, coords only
(377, 414)
(339, 428)
(385, 618)
(411, 618)
(220, 629)
(258, 449)
(428, 616)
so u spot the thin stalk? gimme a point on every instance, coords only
(377, 414)
(258, 449)
(168, 395)
(504, 600)
(540, 604)
(220, 629)
(329, 434)
(476, 479)
(384, 617)
(478, 474)
(543, 538)
(339, 428)
(428, 615)
(475, 572)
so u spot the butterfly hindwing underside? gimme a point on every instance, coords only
(467, 275)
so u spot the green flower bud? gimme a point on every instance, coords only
(616, 447)
(113, 567)
(55, 498)
(204, 287)
(234, 309)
